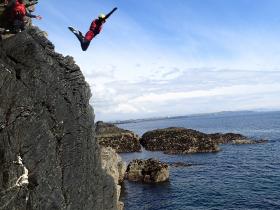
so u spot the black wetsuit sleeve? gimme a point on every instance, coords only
(31, 3)
(28, 14)
(110, 13)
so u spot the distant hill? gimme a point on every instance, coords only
(215, 114)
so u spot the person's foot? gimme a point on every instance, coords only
(73, 30)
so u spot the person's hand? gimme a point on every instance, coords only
(38, 17)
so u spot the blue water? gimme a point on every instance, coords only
(238, 177)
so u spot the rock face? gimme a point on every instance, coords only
(114, 166)
(49, 158)
(108, 135)
(150, 170)
(178, 141)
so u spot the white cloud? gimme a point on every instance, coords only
(125, 108)
(236, 90)
(236, 97)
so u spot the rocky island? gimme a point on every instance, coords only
(185, 141)
(109, 135)
(178, 141)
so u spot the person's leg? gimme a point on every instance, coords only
(85, 45)
(84, 42)
(87, 39)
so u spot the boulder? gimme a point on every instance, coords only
(234, 138)
(226, 138)
(109, 135)
(178, 141)
(150, 171)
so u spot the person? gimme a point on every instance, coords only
(19, 13)
(94, 29)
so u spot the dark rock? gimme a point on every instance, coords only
(233, 138)
(149, 171)
(49, 158)
(227, 137)
(108, 135)
(178, 141)
(184, 141)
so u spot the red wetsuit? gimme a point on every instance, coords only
(19, 11)
(95, 28)
(16, 15)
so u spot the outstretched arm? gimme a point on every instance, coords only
(110, 13)
(28, 14)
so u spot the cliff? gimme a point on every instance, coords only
(49, 158)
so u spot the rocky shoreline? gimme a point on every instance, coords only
(172, 141)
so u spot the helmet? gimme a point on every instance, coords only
(101, 16)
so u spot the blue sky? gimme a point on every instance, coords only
(173, 57)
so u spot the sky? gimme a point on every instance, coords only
(157, 58)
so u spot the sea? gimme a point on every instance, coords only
(237, 177)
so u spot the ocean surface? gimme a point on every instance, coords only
(238, 177)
